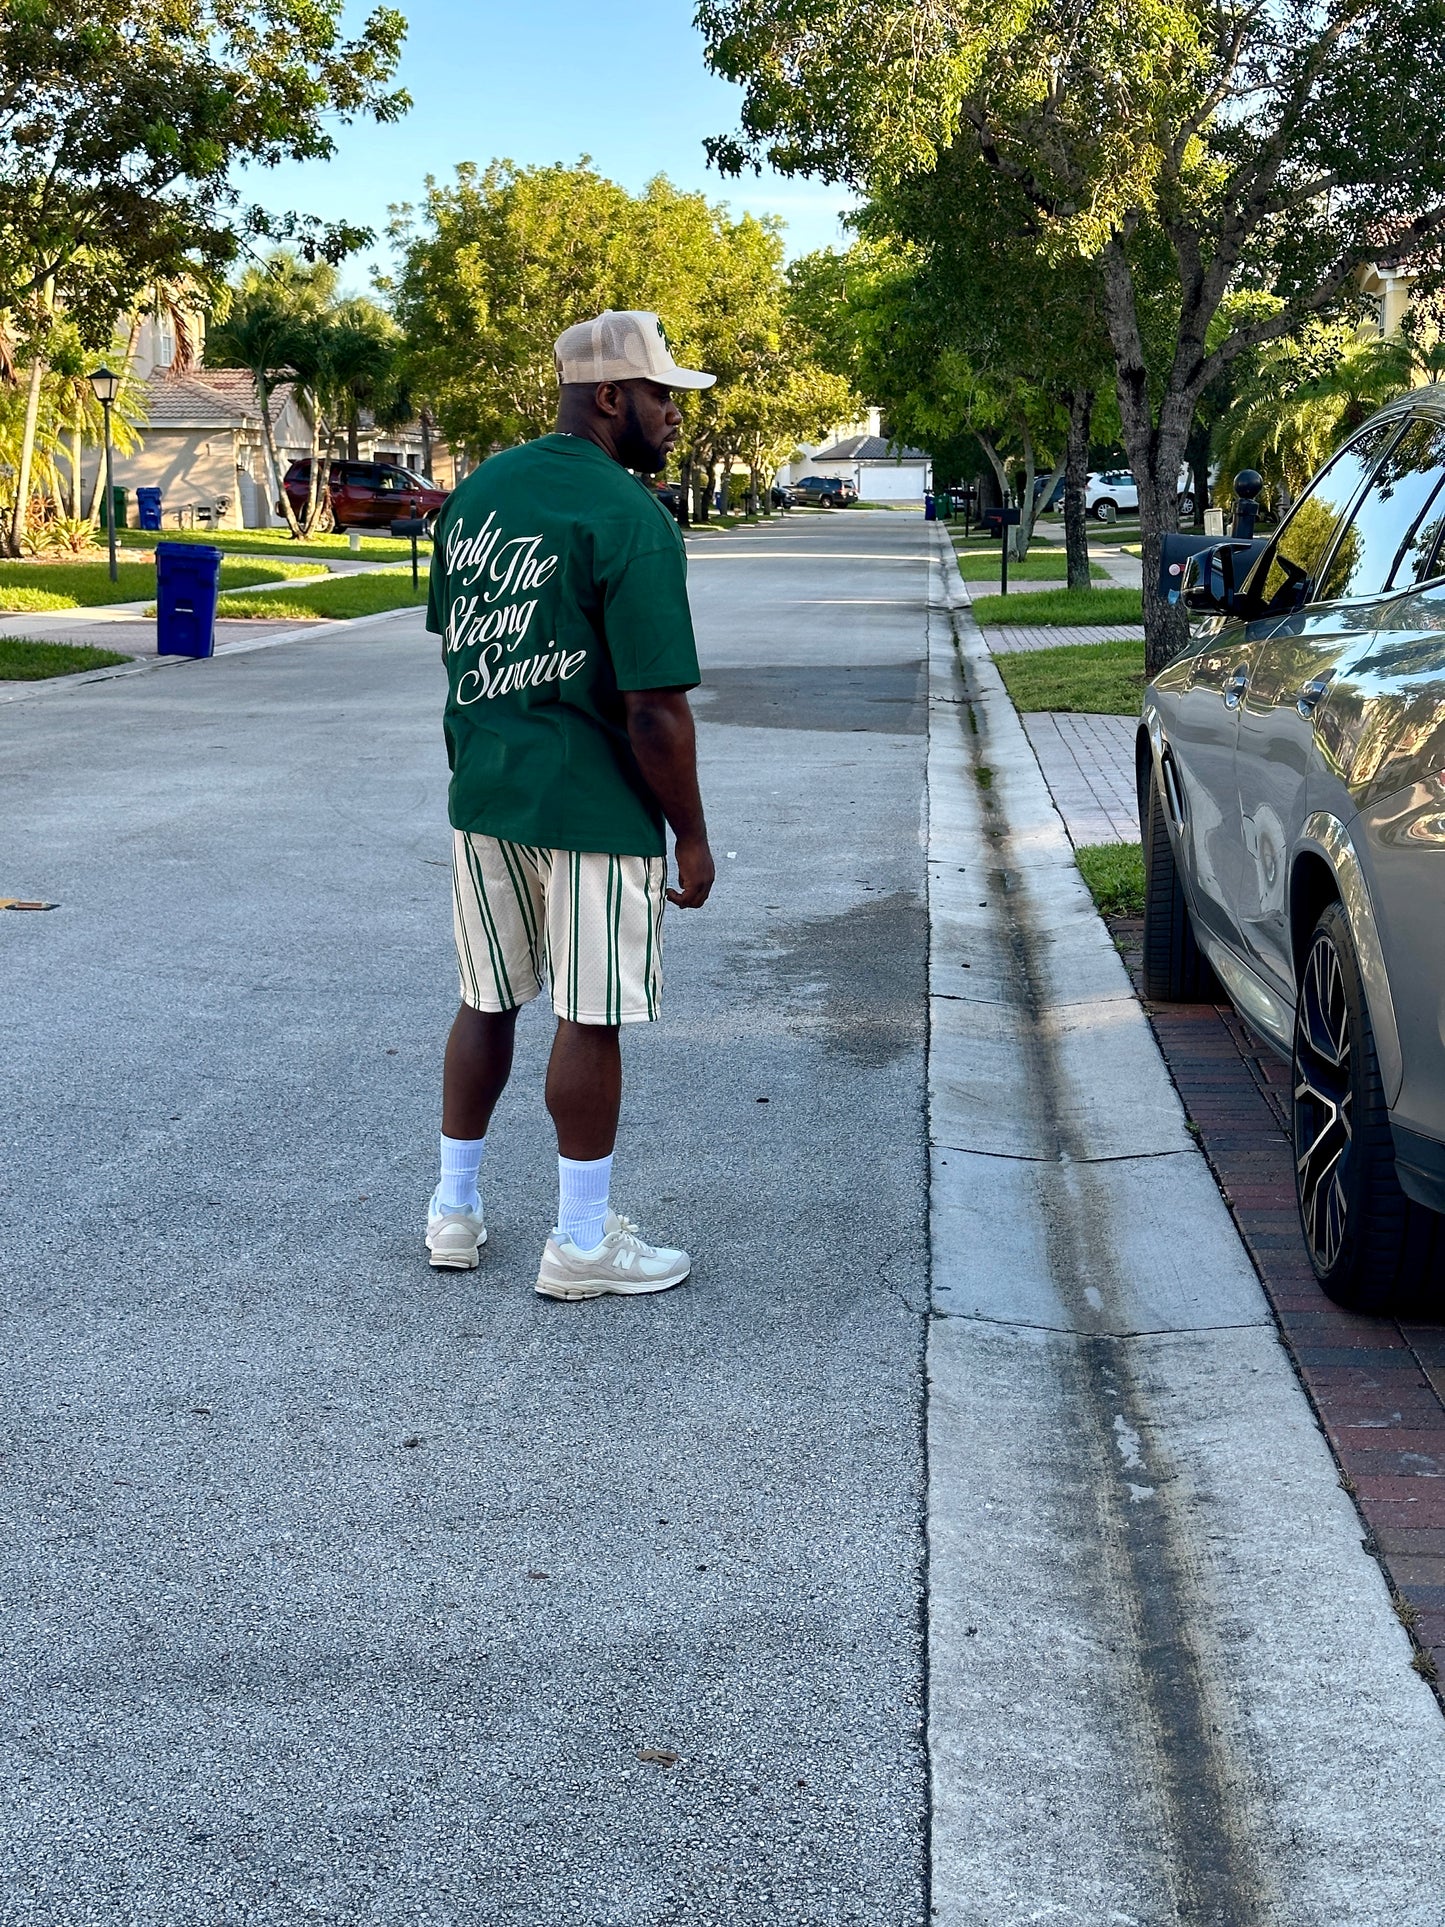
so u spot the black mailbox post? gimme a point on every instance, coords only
(1007, 519)
(415, 527)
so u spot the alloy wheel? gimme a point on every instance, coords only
(1323, 1125)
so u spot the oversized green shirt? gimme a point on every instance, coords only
(557, 582)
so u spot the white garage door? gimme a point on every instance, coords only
(887, 483)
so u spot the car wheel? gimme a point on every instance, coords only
(1372, 1248)
(1186, 508)
(1106, 510)
(325, 519)
(1176, 970)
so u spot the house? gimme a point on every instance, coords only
(203, 447)
(860, 453)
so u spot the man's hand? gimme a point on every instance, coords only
(695, 873)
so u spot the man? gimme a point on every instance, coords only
(558, 586)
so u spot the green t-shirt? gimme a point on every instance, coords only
(557, 582)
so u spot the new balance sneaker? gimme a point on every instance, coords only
(454, 1239)
(624, 1263)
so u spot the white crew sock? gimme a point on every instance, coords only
(582, 1213)
(461, 1162)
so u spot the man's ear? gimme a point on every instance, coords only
(608, 398)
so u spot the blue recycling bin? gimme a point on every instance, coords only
(188, 587)
(148, 508)
(930, 507)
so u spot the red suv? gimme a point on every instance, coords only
(364, 495)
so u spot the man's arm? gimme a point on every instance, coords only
(660, 729)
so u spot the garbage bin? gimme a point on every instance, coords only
(930, 507)
(114, 506)
(148, 508)
(188, 586)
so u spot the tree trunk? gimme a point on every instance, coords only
(32, 418)
(313, 487)
(426, 444)
(1076, 482)
(1023, 529)
(1197, 456)
(273, 459)
(1156, 451)
(353, 427)
(77, 444)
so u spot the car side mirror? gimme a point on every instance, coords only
(1207, 585)
(1207, 576)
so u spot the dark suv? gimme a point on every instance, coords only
(825, 491)
(364, 495)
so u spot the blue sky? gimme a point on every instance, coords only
(546, 80)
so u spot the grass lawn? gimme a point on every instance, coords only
(1033, 568)
(1114, 873)
(1092, 678)
(37, 586)
(1052, 608)
(337, 599)
(22, 661)
(379, 548)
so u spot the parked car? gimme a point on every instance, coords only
(825, 491)
(1114, 492)
(1291, 769)
(364, 495)
(670, 496)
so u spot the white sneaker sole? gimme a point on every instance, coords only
(574, 1289)
(456, 1260)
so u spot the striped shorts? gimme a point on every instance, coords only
(590, 922)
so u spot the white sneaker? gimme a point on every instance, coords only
(624, 1263)
(454, 1238)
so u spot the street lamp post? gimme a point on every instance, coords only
(105, 383)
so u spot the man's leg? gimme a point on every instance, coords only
(604, 916)
(584, 1096)
(584, 1088)
(475, 1070)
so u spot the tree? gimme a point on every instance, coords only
(119, 136)
(504, 259)
(498, 263)
(275, 324)
(362, 352)
(1188, 148)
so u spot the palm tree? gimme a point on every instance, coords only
(274, 326)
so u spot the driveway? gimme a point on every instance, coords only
(340, 1590)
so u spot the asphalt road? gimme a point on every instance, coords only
(337, 1590)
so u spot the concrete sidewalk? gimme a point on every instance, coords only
(1167, 1684)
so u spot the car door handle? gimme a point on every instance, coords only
(1310, 695)
(1236, 686)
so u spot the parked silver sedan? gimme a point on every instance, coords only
(1291, 766)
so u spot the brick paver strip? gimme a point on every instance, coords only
(1005, 638)
(1377, 1384)
(1088, 764)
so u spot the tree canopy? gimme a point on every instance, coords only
(495, 265)
(1188, 149)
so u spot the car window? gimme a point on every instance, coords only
(390, 479)
(1295, 556)
(1364, 557)
(363, 474)
(1418, 551)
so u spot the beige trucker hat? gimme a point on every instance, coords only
(625, 345)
